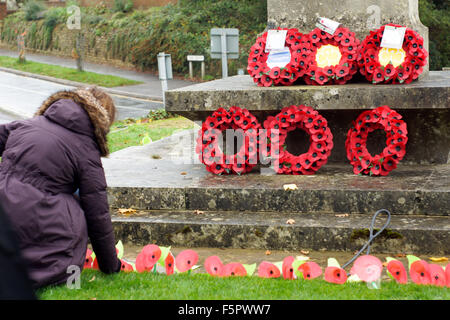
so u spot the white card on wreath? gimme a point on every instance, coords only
(279, 58)
(275, 39)
(327, 25)
(393, 37)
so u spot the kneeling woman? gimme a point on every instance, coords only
(45, 160)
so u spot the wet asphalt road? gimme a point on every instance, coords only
(20, 97)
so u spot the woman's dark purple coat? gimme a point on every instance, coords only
(44, 161)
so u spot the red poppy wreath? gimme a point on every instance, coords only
(320, 137)
(269, 72)
(209, 141)
(333, 57)
(383, 118)
(386, 65)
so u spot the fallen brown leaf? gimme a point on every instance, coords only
(385, 264)
(290, 221)
(127, 211)
(341, 215)
(305, 252)
(400, 255)
(440, 259)
(268, 253)
(199, 212)
(92, 279)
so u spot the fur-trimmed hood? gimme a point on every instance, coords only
(96, 112)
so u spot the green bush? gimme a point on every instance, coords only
(435, 14)
(53, 17)
(33, 10)
(159, 114)
(122, 6)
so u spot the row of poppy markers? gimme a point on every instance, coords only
(366, 268)
(270, 142)
(350, 56)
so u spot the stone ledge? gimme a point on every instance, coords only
(270, 231)
(157, 184)
(430, 93)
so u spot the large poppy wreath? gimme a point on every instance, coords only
(383, 118)
(320, 138)
(267, 75)
(210, 143)
(333, 57)
(385, 65)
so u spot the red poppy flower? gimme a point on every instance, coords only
(185, 260)
(437, 275)
(266, 81)
(329, 71)
(402, 74)
(95, 264)
(378, 75)
(88, 260)
(389, 71)
(397, 271)
(288, 271)
(367, 268)
(389, 164)
(310, 270)
(335, 275)
(397, 149)
(125, 266)
(268, 270)
(339, 33)
(147, 258)
(314, 35)
(235, 269)
(267, 122)
(447, 275)
(275, 73)
(213, 265)
(216, 168)
(320, 77)
(255, 70)
(419, 272)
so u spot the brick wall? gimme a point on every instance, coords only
(3, 10)
(95, 47)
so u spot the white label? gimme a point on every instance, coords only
(327, 25)
(393, 37)
(275, 39)
(278, 58)
(195, 58)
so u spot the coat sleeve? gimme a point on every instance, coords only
(5, 130)
(93, 198)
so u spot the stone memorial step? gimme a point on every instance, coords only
(272, 231)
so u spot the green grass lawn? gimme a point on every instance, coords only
(129, 133)
(66, 73)
(136, 286)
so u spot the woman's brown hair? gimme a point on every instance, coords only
(105, 100)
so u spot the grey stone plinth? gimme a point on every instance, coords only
(360, 16)
(423, 104)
